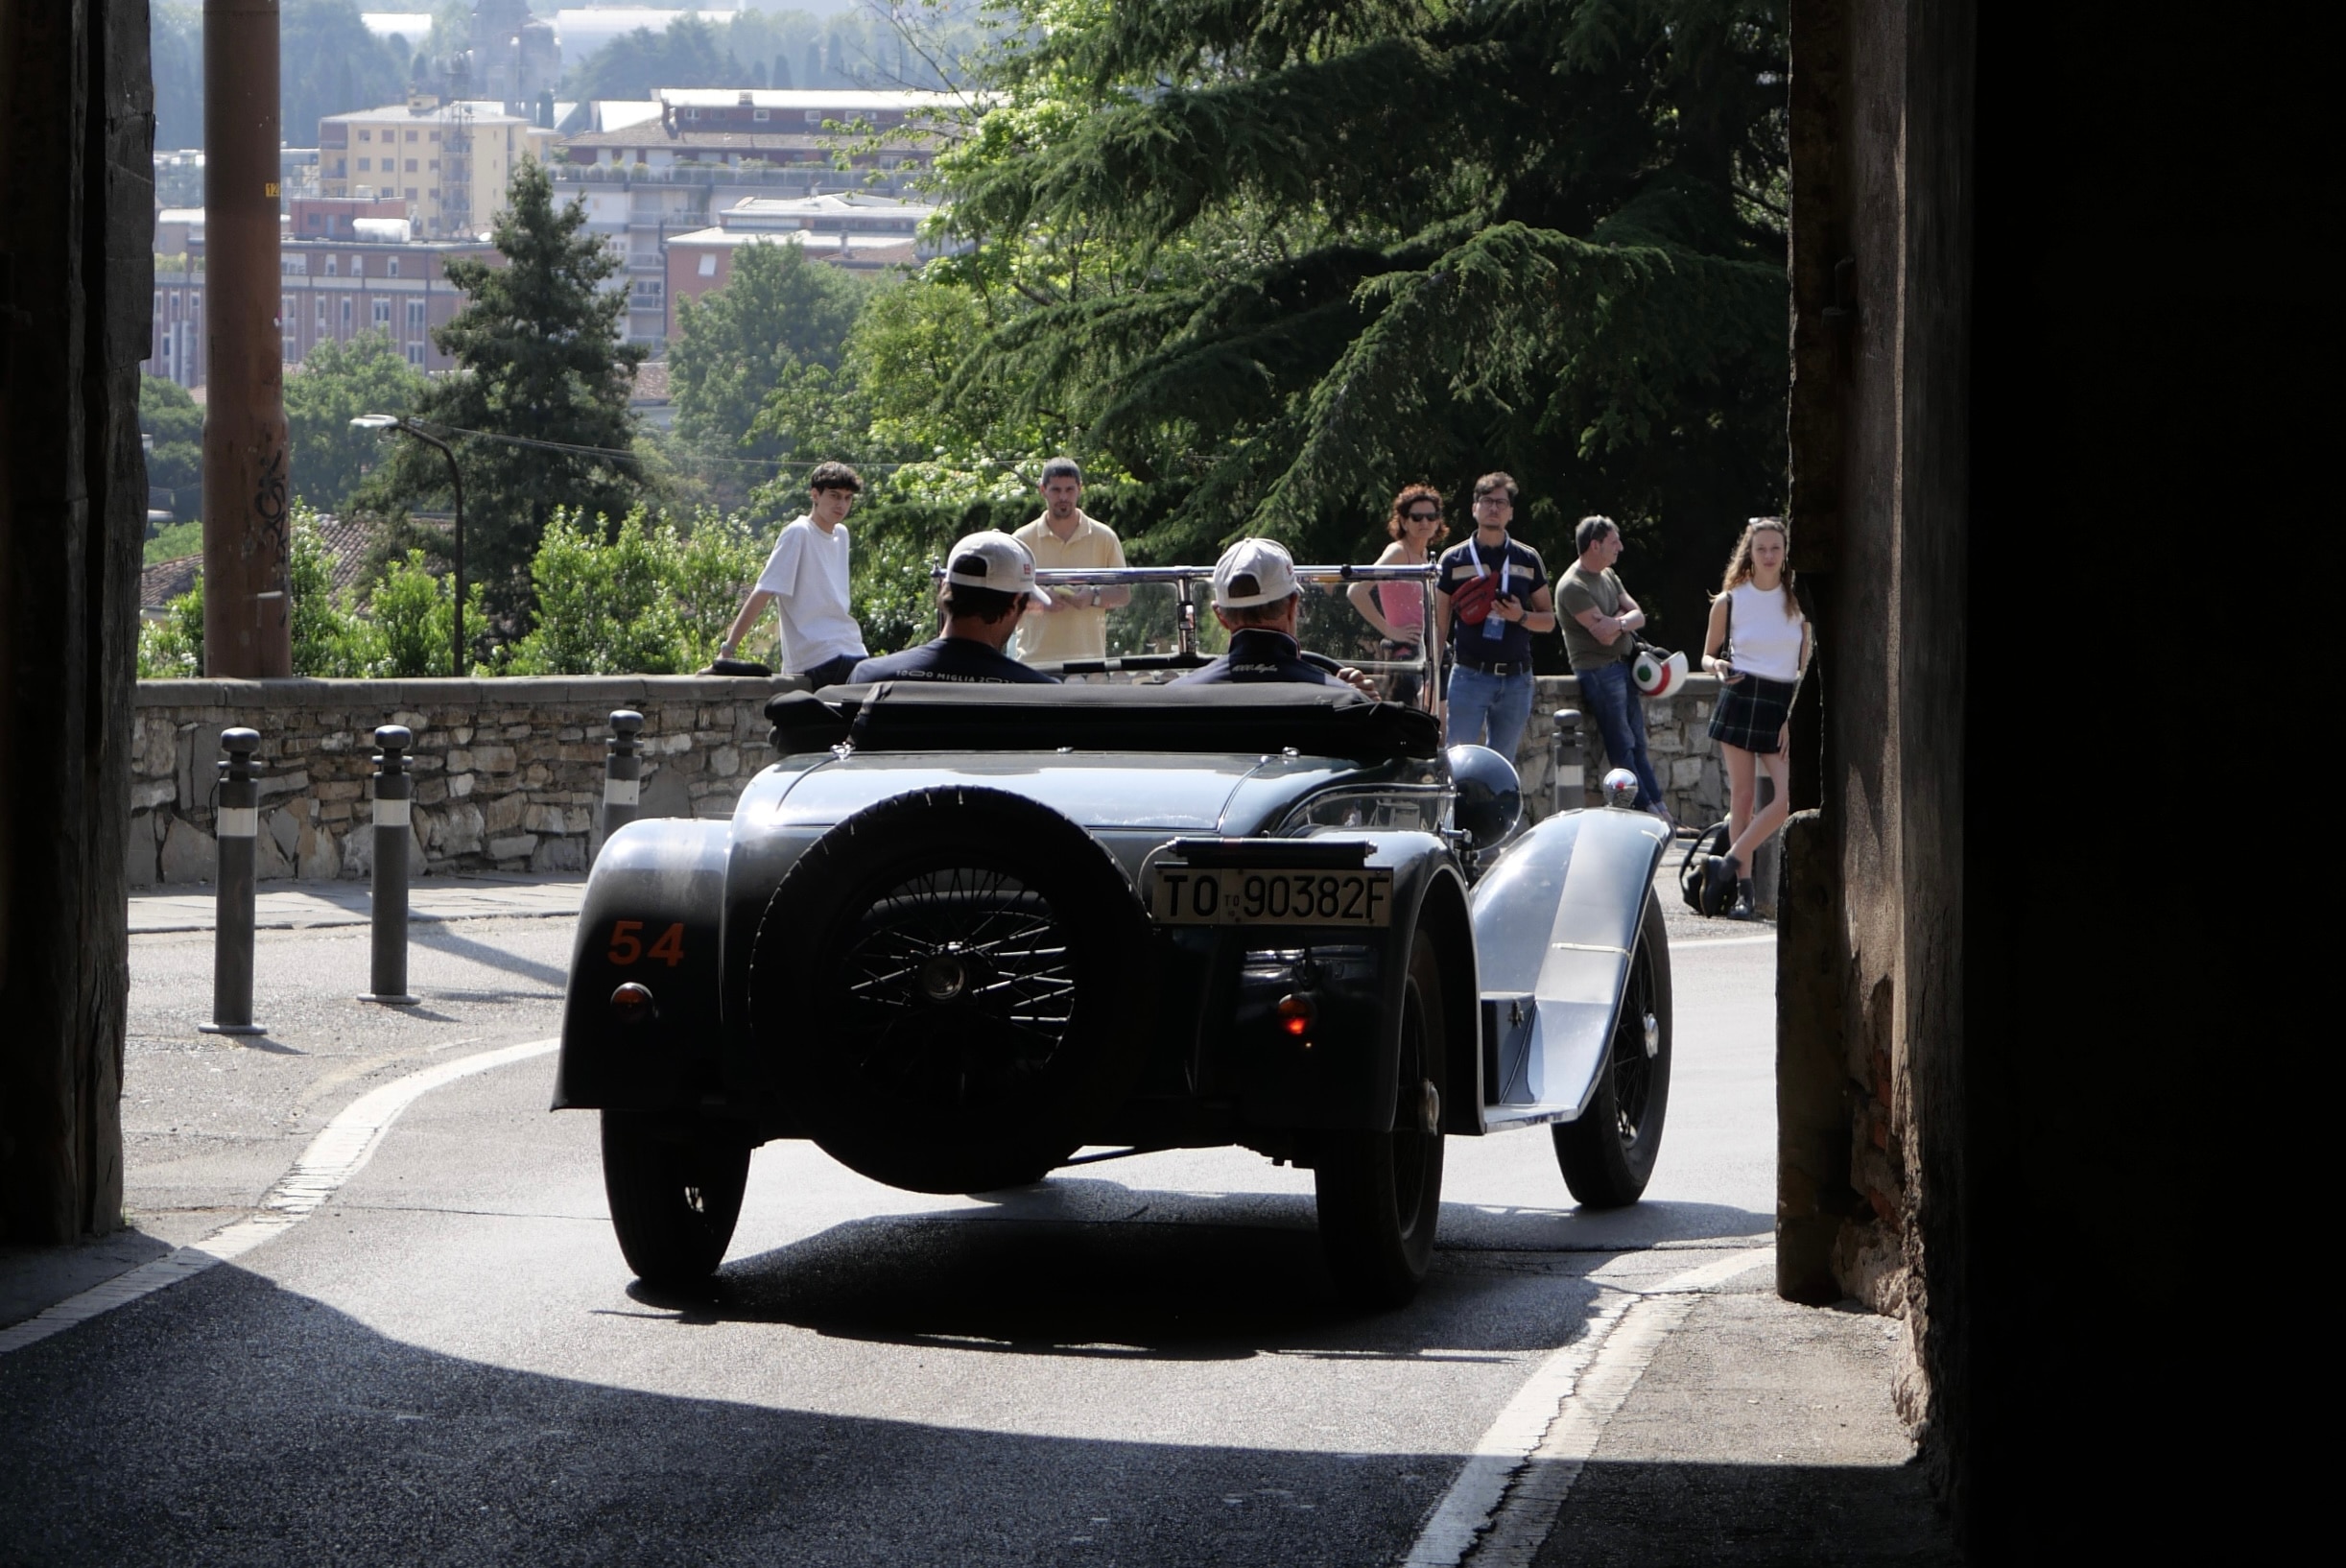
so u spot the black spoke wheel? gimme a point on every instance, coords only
(960, 990)
(950, 988)
(675, 1191)
(1381, 1193)
(1608, 1154)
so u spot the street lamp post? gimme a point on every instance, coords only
(455, 484)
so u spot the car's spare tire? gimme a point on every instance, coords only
(951, 985)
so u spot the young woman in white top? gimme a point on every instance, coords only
(1758, 645)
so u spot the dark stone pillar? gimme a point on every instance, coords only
(1813, 1197)
(1872, 1142)
(77, 130)
(2029, 430)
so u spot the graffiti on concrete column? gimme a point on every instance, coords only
(269, 502)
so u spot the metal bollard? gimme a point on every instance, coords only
(237, 821)
(622, 771)
(1568, 785)
(394, 792)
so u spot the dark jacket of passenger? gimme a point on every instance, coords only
(1259, 653)
(958, 660)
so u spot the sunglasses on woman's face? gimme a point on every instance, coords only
(1423, 516)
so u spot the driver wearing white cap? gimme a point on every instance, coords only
(1255, 597)
(989, 583)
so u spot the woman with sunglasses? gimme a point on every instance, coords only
(1398, 609)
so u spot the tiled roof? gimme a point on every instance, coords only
(722, 141)
(855, 100)
(347, 539)
(814, 242)
(163, 581)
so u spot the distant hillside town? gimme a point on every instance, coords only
(676, 180)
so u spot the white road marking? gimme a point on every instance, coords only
(1466, 1510)
(1722, 941)
(1506, 1497)
(342, 1147)
(1710, 1276)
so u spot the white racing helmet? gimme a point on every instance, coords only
(1658, 673)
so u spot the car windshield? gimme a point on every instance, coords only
(1166, 624)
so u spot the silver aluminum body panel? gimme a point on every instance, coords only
(1557, 916)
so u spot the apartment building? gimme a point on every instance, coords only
(648, 171)
(863, 233)
(447, 162)
(334, 288)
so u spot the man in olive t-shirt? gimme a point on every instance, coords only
(1598, 617)
(1596, 599)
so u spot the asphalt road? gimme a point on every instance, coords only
(1139, 1361)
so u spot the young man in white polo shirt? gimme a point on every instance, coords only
(1066, 537)
(806, 579)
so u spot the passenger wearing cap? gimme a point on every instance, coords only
(989, 583)
(1256, 598)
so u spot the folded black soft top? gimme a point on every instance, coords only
(908, 716)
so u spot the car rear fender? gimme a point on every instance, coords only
(1555, 918)
(1344, 1073)
(651, 917)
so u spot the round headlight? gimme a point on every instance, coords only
(1490, 796)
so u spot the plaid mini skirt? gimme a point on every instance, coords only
(1751, 712)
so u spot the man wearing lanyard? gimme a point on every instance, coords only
(1492, 596)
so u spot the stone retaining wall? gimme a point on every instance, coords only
(508, 773)
(1677, 739)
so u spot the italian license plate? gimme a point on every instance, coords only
(1270, 895)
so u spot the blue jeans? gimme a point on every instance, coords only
(1501, 703)
(1612, 696)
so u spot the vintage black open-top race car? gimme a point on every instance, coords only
(956, 933)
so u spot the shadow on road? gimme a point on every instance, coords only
(441, 939)
(1093, 1269)
(229, 1421)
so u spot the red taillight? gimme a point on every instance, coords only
(632, 1003)
(1296, 1012)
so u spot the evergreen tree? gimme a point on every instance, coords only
(1299, 255)
(329, 62)
(537, 406)
(689, 54)
(174, 38)
(733, 347)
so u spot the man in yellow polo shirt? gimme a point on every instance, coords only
(1076, 626)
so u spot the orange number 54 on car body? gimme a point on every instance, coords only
(627, 943)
